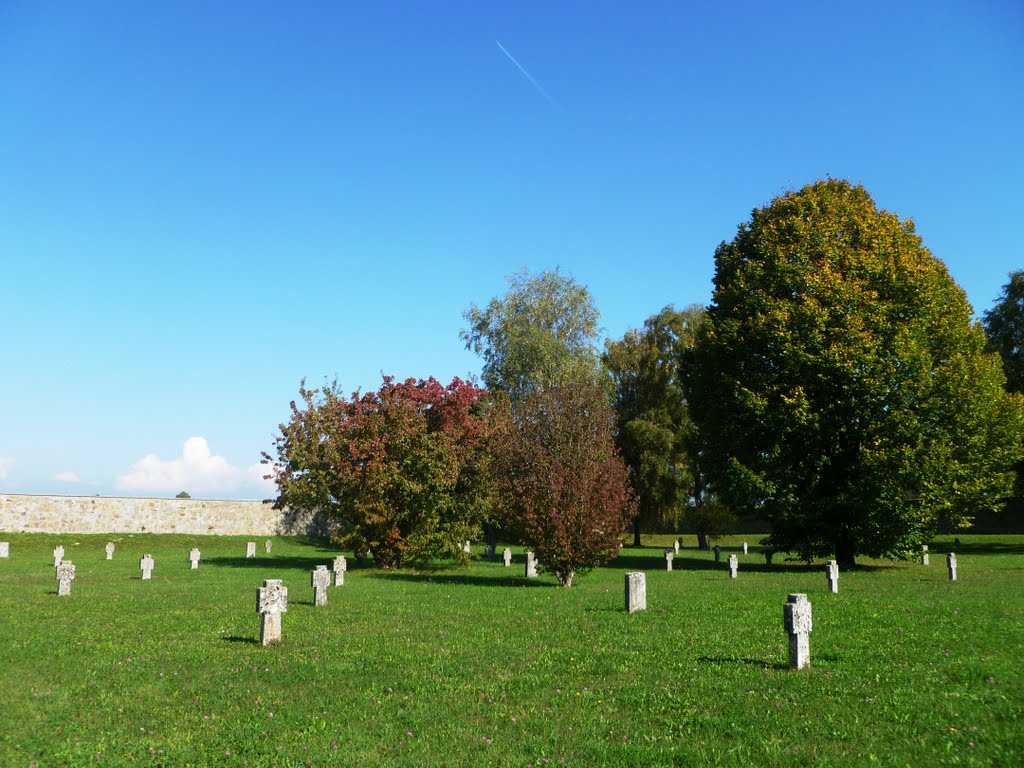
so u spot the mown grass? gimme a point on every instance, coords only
(468, 666)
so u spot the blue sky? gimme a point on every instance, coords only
(203, 203)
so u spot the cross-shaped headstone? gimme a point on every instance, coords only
(110, 550)
(5, 548)
(340, 566)
(271, 602)
(65, 575)
(734, 564)
(718, 554)
(924, 554)
(796, 619)
(193, 557)
(267, 546)
(489, 552)
(58, 555)
(951, 565)
(531, 565)
(744, 547)
(832, 571)
(675, 546)
(506, 555)
(467, 548)
(250, 549)
(146, 564)
(321, 580)
(636, 592)
(668, 559)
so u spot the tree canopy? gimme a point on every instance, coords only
(542, 333)
(840, 387)
(1004, 327)
(399, 471)
(563, 488)
(654, 426)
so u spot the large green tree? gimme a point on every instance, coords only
(654, 427)
(541, 333)
(840, 387)
(1004, 326)
(400, 472)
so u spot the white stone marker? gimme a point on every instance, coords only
(110, 550)
(734, 564)
(65, 575)
(669, 554)
(796, 618)
(506, 555)
(250, 549)
(267, 546)
(924, 554)
(271, 602)
(531, 565)
(951, 564)
(636, 592)
(718, 554)
(321, 580)
(193, 557)
(340, 566)
(58, 555)
(5, 548)
(675, 546)
(744, 547)
(467, 548)
(146, 564)
(832, 571)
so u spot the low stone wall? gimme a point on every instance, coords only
(104, 514)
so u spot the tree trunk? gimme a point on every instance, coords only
(702, 540)
(845, 552)
(492, 534)
(636, 533)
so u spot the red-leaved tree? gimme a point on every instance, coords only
(399, 471)
(563, 487)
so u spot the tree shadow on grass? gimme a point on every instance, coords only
(269, 562)
(763, 663)
(448, 579)
(683, 563)
(239, 639)
(978, 548)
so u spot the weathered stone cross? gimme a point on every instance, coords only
(65, 575)
(146, 564)
(271, 602)
(321, 580)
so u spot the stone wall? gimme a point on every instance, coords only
(104, 514)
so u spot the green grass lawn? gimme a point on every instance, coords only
(470, 666)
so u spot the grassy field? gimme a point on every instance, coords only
(471, 666)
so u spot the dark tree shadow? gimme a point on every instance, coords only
(763, 663)
(266, 562)
(238, 639)
(977, 548)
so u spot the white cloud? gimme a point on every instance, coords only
(67, 477)
(197, 471)
(5, 464)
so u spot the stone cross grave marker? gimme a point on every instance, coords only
(531, 565)
(250, 549)
(5, 548)
(506, 555)
(675, 546)
(467, 548)
(340, 566)
(110, 550)
(58, 555)
(321, 580)
(65, 575)
(734, 564)
(832, 571)
(146, 565)
(796, 618)
(744, 547)
(267, 545)
(193, 557)
(924, 554)
(271, 602)
(669, 554)
(489, 552)
(951, 565)
(636, 592)
(718, 554)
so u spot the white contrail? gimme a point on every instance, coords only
(528, 76)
